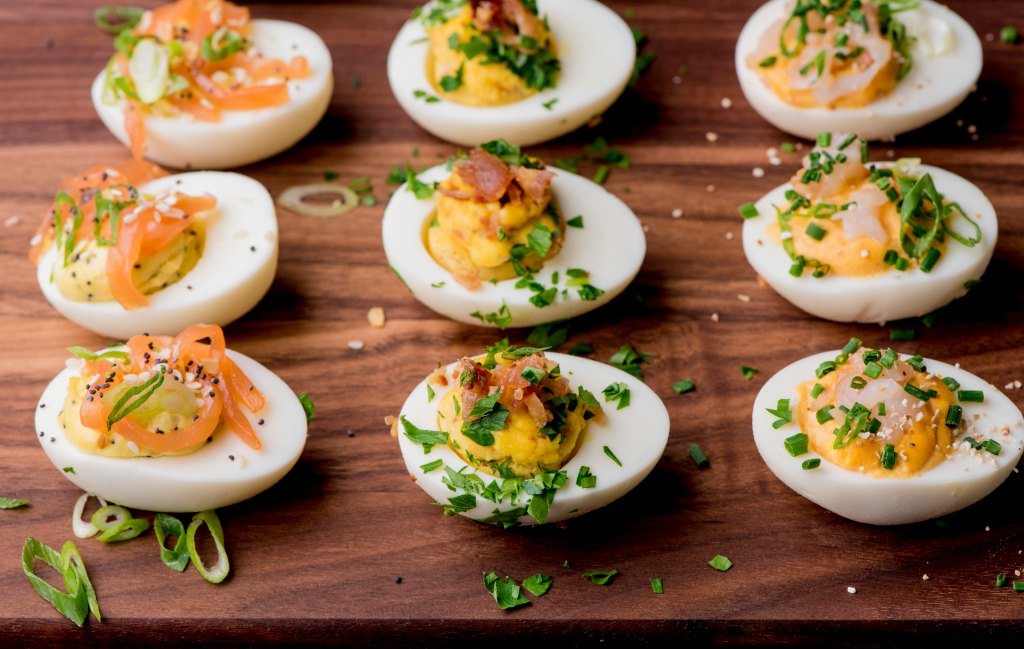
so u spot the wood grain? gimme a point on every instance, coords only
(315, 559)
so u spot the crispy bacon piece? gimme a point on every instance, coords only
(535, 182)
(509, 16)
(486, 174)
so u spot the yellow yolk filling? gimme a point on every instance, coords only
(777, 78)
(84, 278)
(474, 240)
(925, 443)
(521, 443)
(112, 444)
(483, 84)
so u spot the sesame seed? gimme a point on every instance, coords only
(728, 236)
(851, 590)
(726, 103)
(714, 317)
(757, 172)
(711, 136)
(743, 298)
(677, 213)
(11, 221)
(356, 344)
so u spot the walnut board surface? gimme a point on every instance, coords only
(315, 559)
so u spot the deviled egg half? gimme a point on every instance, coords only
(855, 241)
(499, 239)
(886, 439)
(128, 249)
(877, 67)
(526, 71)
(197, 84)
(520, 436)
(170, 424)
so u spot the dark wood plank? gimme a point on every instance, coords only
(315, 559)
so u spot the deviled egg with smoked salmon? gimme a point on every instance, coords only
(196, 84)
(522, 436)
(876, 67)
(857, 241)
(497, 238)
(170, 423)
(526, 71)
(884, 438)
(128, 248)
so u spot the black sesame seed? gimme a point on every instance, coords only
(252, 248)
(231, 457)
(350, 433)
(42, 405)
(53, 439)
(398, 580)
(260, 422)
(215, 380)
(42, 434)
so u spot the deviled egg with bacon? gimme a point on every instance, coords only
(170, 423)
(883, 438)
(498, 238)
(526, 71)
(523, 436)
(856, 241)
(128, 248)
(197, 84)
(877, 67)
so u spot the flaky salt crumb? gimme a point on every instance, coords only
(726, 103)
(376, 317)
(758, 172)
(677, 213)
(711, 136)
(714, 317)
(356, 344)
(851, 590)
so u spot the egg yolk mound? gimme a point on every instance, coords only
(894, 425)
(843, 54)
(193, 57)
(493, 52)
(512, 413)
(113, 243)
(159, 395)
(494, 221)
(857, 220)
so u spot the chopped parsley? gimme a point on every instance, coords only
(501, 318)
(631, 361)
(550, 104)
(427, 438)
(684, 386)
(617, 391)
(586, 479)
(581, 349)
(451, 83)
(307, 407)
(601, 577)
(549, 334)
(575, 222)
(608, 452)
(720, 562)
(425, 96)
(749, 372)
(486, 417)
(432, 466)
(538, 584)
(505, 591)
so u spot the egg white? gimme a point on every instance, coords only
(596, 50)
(241, 137)
(228, 280)
(891, 295)
(959, 481)
(636, 434)
(935, 85)
(611, 245)
(206, 479)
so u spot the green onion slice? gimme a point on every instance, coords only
(114, 20)
(219, 571)
(12, 503)
(82, 528)
(165, 525)
(125, 406)
(149, 69)
(80, 598)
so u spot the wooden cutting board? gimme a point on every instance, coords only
(347, 550)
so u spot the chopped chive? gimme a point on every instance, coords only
(575, 222)
(888, 358)
(881, 408)
(1008, 35)
(432, 466)
(852, 346)
(825, 368)
(817, 390)
(971, 396)
(815, 231)
(888, 456)
(902, 334)
(1000, 580)
(749, 211)
(657, 586)
(824, 139)
(797, 269)
(863, 152)
(847, 142)
(1018, 586)
(698, 457)
(797, 444)
(824, 414)
(601, 174)
(608, 452)
(782, 411)
(872, 370)
(915, 391)
(917, 362)
(787, 147)
(890, 257)
(954, 415)
(951, 383)
(930, 259)
(769, 61)
(858, 382)
(812, 463)
(749, 372)
(874, 426)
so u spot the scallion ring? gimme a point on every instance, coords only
(299, 199)
(219, 571)
(114, 20)
(165, 525)
(82, 528)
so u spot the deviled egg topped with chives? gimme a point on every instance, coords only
(853, 240)
(500, 239)
(523, 70)
(878, 67)
(883, 438)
